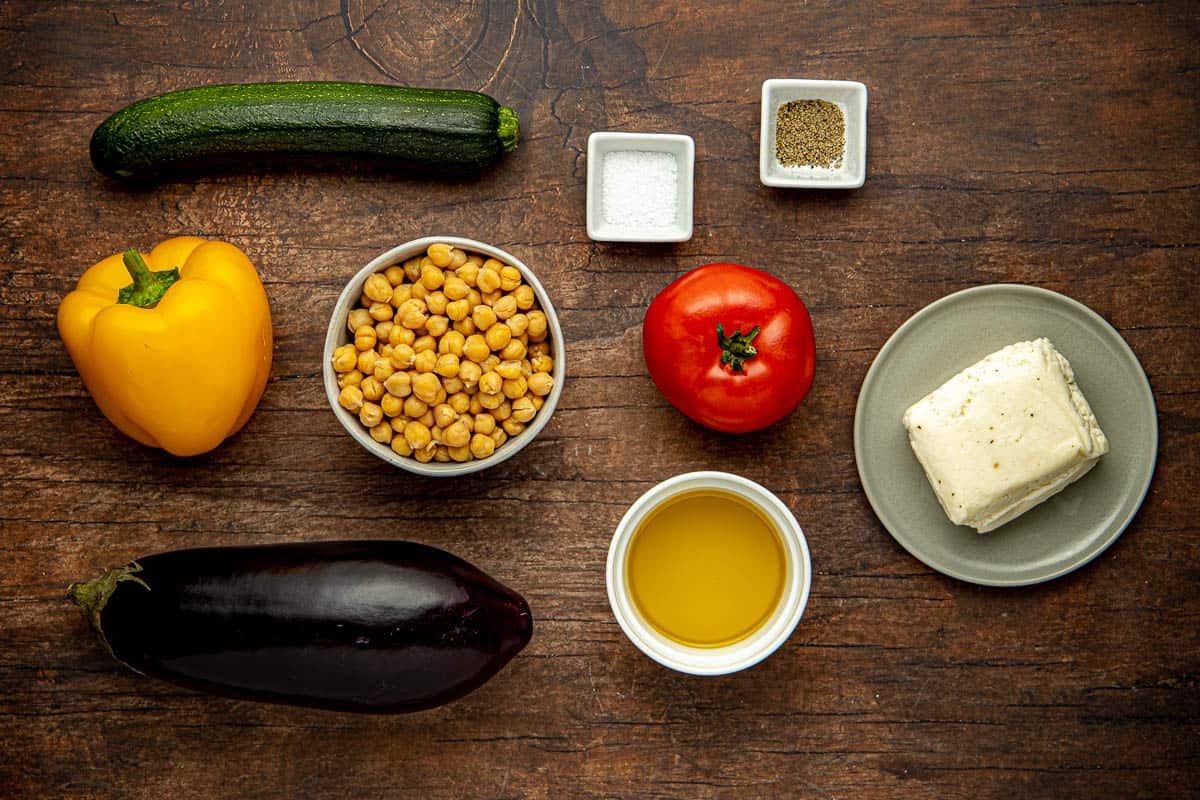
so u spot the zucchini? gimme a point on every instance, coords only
(443, 130)
(375, 626)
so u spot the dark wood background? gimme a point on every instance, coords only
(1054, 144)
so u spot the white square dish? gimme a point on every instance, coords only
(603, 226)
(851, 98)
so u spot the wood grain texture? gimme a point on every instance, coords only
(1046, 143)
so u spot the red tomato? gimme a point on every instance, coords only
(730, 346)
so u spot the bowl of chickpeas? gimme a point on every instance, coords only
(444, 356)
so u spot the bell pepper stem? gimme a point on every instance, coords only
(737, 348)
(148, 287)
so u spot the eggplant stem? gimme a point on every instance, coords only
(92, 596)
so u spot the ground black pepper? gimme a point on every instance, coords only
(810, 133)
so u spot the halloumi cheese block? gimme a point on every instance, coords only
(1004, 435)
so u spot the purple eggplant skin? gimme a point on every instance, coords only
(370, 626)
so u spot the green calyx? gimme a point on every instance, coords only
(148, 287)
(92, 596)
(737, 348)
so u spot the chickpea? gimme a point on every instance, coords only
(383, 369)
(476, 348)
(441, 454)
(425, 388)
(460, 402)
(412, 268)
(482, 446)
(444, 415)
(475, 297)
(538, 402)
(419, 292)
(440, 254)
(525, 297)
(510, 278)
(490, 363)
(357, 318)
(488, 280)
(381, 312)
(458, 310)
(432, 277)
(491, 298)
(402, 356)
(455, 288)
(400, 294)
(485, 424)
(468, 272)
(437, 325)
(505, 307)
(351, 399)
(465, 326)
(497, 336)
(372, 389)
(457, 435)
(345, 358)
(541, 363)
(460, 454)
(423, 343)
(523, 410)
(483, 317)
(377, 287)
(513, 351)
(418, 435)
(526, 368)
(414, 407)
(384, 329)
(491, 383)
(447, 365)
(499, 436)
(381, 433)
(370, 415)
(512, 427)
(423, 456)
(351, 378)
(490, 402)
(401, 447)
(365, 337)
(540, 383)
(476, 406)
(502, 411)
(392, 406)
(425, 361)
(515, 387)
(452, 385)
(537, 325)
(509, 370)
(399, 335)
(426, 419)
(452, 342)
(436, 303)
(469, 373)
(394, 274)
(366, 361)
(411, 313)
(539, 349)
(518, 323)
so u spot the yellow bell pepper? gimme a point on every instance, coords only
(179, 358)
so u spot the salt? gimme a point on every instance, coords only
(639, 189)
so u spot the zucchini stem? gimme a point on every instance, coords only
(508, 128)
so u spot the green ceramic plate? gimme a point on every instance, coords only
(1065, 532)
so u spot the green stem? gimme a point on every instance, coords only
(737, 348)
(147, 287)
(92, 596)
(508, 128)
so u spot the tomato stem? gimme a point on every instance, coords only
(737, 348)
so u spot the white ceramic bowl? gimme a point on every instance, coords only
(338, 334)
(600, 144)
(851, 97)
(741, 654)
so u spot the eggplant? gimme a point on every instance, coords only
(372, 626)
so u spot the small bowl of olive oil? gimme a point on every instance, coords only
(708, 573)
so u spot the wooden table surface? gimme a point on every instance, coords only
(1053, 144)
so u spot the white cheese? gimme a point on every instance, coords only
(1004, 435)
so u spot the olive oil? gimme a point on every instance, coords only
(706, 568)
